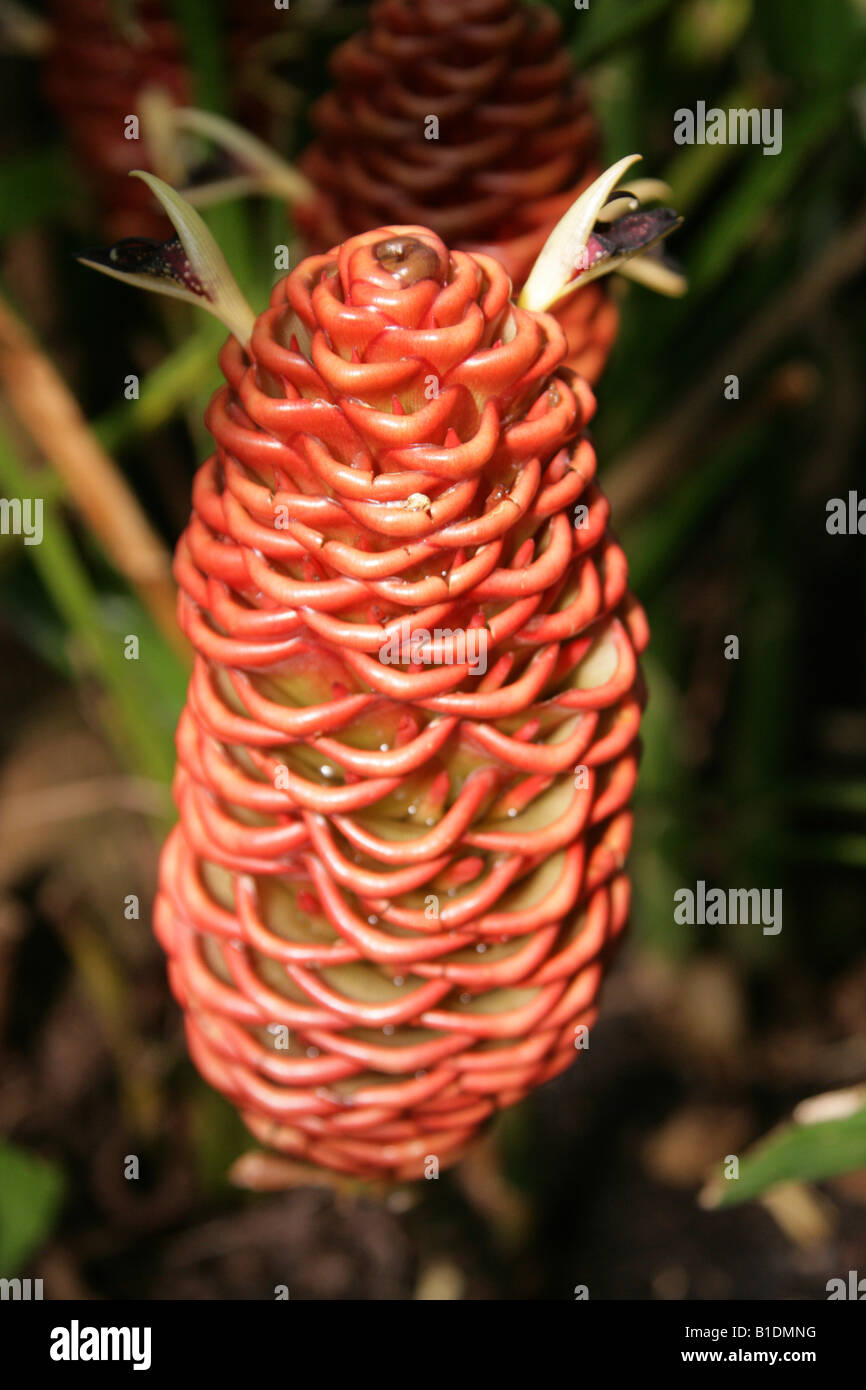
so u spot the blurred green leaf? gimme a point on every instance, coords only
(205, 48)
(815, 43)
(834, 796)
(796, 1153)
(695, 168)
(664, 805)
(766, 180)
(33, 189)
(218, 1135)
(601, 28)
(31, 1190)
(703, 31)
(655, 543)
(832, 849)
(199, 21)
(129, 714)
(190, 368)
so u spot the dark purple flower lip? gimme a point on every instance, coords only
(631, 235)
(165, 261)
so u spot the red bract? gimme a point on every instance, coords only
(515, 140)
(398, 872)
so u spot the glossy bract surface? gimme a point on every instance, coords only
(411, 733)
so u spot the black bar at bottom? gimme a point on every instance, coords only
(215, 1341)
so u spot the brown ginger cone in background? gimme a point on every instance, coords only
(465, 116)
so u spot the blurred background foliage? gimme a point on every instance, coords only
(754, 770)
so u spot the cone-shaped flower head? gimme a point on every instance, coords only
(410, 737)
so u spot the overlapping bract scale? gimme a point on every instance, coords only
(398, 873)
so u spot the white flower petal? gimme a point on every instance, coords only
(553, 272)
